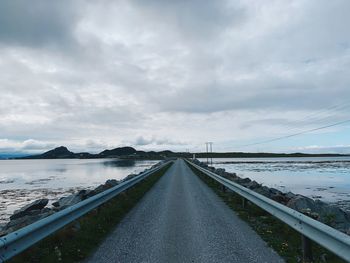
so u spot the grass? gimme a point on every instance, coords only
(77, 241)
(278, 235)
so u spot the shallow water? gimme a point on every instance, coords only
(22, 181)
(325, 178)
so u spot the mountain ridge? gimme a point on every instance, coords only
(129, 152)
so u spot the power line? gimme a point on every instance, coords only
(318, 115)
(296, 134)
(315, 117)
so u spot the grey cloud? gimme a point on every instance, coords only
(164, 69)
(142, 141)
(36, 22)
(197, 20)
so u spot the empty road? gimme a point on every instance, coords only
(182, 220)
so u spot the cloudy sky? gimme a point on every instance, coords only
(173, 74)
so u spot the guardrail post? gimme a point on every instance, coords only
(307, 249)
(244, 202)
(223, 188)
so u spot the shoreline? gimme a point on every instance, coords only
(330, 214)
(49, 202)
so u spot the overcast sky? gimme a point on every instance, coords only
(173, 74)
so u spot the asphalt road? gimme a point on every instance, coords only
(182, 220)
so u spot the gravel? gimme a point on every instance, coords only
(182, 220)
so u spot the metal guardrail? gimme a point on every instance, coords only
(330, 238)
(17, 241)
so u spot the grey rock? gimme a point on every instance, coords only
(212, 169)
(204, 165)
(264, 190)
(100, 188)
(300, 202)
(196, 161)
(70, 200)
(274, 191)
(26, 210)
(243, 181)
(328, 214)
(18, 223)
(2, 229)
(253, 185)
(220, 171)
(290, 195)
(103, 187)
(130, 176)
(230, 176)
(90, 193)
(280, 198)
(111, 182)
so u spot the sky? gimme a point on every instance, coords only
(158, 75)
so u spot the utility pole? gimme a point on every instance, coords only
(209, 148)
(206, 148)
(211, 151)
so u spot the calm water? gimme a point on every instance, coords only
(323, 178)
(22, 181)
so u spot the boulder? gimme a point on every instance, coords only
(26, 210)
(230, 176)
(196, 161)
(2, 230)
(274, 191)
(103, 187)
(73, 199)
(264, 190)
(130, 176)
(243, 181)
(290, 195)
(210, 168)
(100, 189)
(253, 185)
(33, 216)
(204, 165)
(111, 183)
(220, 171)
(280, 198)
(328, 214)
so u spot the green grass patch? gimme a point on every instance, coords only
(278, 235)
(77, 241)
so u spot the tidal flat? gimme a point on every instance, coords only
(23, 181)
(323, 178)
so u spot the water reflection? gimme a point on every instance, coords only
(321, 178)
(120, 163)
(22, 181)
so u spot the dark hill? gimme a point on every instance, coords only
(57, 153)
(121, 151)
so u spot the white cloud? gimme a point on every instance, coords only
(27, 146)
(109, 72)
(342, 149)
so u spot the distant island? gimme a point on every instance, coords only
(128, 152)
(62, 152)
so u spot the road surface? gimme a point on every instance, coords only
(182, 220)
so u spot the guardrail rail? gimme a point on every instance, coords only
(18, 241)
(328, 237)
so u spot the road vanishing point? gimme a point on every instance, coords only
(182, 220)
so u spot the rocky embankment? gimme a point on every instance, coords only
(321, 211)
(39, 209)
